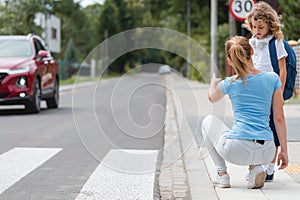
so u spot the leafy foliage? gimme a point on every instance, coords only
(17, 17)
(290, 18)
(87, 27)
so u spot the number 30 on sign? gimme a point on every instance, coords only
(240, 8)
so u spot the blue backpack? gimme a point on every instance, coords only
(291, 68)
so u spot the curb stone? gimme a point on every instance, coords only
(173, 182)
(183, 173)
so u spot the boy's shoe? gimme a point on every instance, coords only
(257, 177)
(222, 181)
(269, 178)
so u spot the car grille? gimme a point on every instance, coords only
(3, 95)
(2, 76)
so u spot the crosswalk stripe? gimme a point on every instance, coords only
(122, 174)
(18, 162)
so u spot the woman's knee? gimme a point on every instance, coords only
(211, 127)
(206, 122)
(211, 121)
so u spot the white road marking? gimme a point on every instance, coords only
(122, 174)
(18, 162)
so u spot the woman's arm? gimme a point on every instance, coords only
(214, 93)
(282, 71)
(279, 120)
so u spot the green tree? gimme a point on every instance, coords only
(290, 18)
(109, 20)
(120, 16)
(73, 25)
(92, 14)
(173, 14)
(17, 17)
(87, 26)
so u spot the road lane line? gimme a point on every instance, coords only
(122, 174)
(18, 162)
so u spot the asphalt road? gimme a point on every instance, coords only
(114, 126)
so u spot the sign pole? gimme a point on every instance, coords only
(213, 37)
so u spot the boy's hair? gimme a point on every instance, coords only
(238, 50)
(263, 12)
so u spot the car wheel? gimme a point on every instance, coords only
(54, 100)
(34, 105)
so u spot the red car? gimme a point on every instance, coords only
(28, 73)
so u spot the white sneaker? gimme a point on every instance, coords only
(257, 177)
(222, 181)
(247, 177)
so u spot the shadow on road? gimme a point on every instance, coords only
(20, 111)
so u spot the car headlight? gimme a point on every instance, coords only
(22, 82)
(19, 70)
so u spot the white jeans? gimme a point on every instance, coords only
(237, 151)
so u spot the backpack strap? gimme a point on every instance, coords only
(273, 55)
(291, 69)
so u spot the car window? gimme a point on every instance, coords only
(15, 48)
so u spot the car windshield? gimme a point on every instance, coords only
(15, 48)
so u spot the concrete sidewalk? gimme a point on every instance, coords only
(186, 100)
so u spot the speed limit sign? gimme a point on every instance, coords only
(240, 8)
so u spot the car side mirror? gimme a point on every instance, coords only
(42, 54)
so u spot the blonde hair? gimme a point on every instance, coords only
(263, 12)
(238, 50)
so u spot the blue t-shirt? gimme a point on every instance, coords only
(251, 103)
